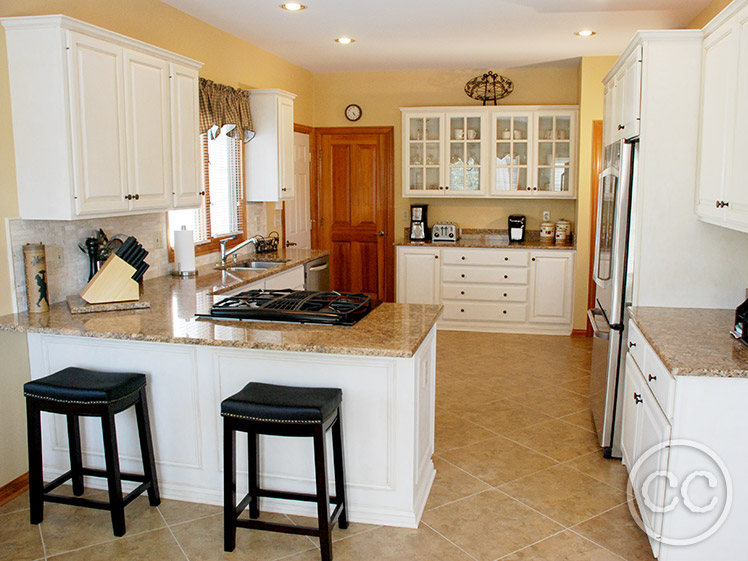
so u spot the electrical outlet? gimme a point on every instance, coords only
(55, 257)
(546, 215)
(157, 242)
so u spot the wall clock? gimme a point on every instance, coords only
(353, 112)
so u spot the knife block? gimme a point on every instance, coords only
(112, 283)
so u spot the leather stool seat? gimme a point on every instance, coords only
(79, 392)
(283, 411)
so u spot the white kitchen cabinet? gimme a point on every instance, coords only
(722, 192)
(490, 289)
(187, 160)
(418, 275)
(444, 153)
(523, 151)
(96, 108)
(622, 101)
(551, 282)
(269, 157)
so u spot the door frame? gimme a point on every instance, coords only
(389, 187)
(596, 170)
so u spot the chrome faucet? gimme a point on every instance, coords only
(224, 241)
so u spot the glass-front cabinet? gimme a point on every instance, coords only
(522, 151)
(444, 154)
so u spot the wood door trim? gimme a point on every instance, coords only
(388, 134)
(597, 164)
(305, 129)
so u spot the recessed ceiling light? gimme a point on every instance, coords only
(585, 33)
(293, 6)
(345, 40)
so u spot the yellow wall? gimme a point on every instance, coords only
(381, 94)
(707, 14)
(228, 60)
(13, 458)
(592, 70)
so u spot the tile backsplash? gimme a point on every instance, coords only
(72, 276)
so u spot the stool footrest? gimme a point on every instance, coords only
(277, 527)
(78, 501)
(288, 495)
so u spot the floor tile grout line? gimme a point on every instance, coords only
(97, 544)
(41, 537)
(566, 463)
(179, 545)
(564, 526)
(532, 544)
(575, 532)
(438, 533)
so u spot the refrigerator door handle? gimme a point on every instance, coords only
(596, 331)
(598, 233)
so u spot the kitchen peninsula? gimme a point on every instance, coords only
(385, 365)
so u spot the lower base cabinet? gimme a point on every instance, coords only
(487, 289)
(683, 446)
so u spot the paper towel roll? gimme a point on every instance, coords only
(184, 251)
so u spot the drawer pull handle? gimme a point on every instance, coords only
(650, 377)
(506, 259)
(503, 312)
(463, 258)
(436, 257)
(505, 295)
(462, 292)
(533, 259)
(462, 309)
(631, 344)
(506, 276)
(462, 275)
(638, 398)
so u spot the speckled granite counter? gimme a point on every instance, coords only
(693, 342)
(393, 330)
(494, 239)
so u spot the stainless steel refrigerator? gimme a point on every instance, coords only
(613, 276)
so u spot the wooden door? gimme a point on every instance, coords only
(297, 218)
(354, 208)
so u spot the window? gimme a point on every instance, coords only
(222, 211)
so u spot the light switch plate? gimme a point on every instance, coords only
(55, 257)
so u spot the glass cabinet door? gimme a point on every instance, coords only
(554, 153)
(512, 152)
(424, 153)
(464, 152)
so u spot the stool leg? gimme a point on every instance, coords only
(76, 463)
(229, 486)
(114, 479)
(253, 463)
(146, 448)
(338, 461)
(323, 493)
(36, 475)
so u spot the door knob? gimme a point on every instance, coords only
(380, 233)
(289, 244)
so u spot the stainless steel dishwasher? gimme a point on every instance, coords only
(317, 274)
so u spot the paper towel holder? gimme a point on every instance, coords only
(182, 274)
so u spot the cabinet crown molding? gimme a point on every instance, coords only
(61, 21)
(491, 108)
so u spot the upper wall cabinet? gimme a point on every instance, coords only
(623, 94)
(495, 152)
(269, 157)
(102, 124)
(722, 189)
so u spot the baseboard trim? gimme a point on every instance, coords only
(14, 488)
(579, 333)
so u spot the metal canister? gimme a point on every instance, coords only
(563, 231)
(35, 264)
(547, 232)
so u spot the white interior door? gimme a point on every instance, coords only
(298, 230)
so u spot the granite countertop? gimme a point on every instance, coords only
(392, 330)
(693, 341)
(493, 239)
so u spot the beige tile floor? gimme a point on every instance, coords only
(519, 478)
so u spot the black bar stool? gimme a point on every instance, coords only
(283, 411)
(77, 392)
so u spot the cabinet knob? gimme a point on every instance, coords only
(505, 295)
(462, 275)
(463, 258)
(462, 292)
(506, 259)
(503, 311)
(529, 188)
(128, 197)
(631, 344)
(506, 276)
(462, 309)
(650, 377)
(532, 259)
(722, 204)
(202, 193)
(638, 398)
(436, 257)
(136, 196)
(446, 187)
(621, 127)
(283, 189)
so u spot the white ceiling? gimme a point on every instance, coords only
(439, 34)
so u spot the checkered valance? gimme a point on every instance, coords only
(223, 105)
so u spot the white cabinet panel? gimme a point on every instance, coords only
(293, 278)
(418, 275)
(185, 139)
(551, 299)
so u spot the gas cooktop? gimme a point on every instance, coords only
(298, 306)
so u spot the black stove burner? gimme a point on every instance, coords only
(301, 306)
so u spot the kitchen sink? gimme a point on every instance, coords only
(254, 265)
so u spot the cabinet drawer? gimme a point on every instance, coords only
(293, 278)
(485, 292)
(659, 380)
(486, 275)
(484, 312)
(636, 344)
(508, 257)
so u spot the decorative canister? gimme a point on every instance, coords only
(35, 264)
(547, 231)
(563, 231)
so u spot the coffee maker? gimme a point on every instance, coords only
(517, 224)
(419, 230)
